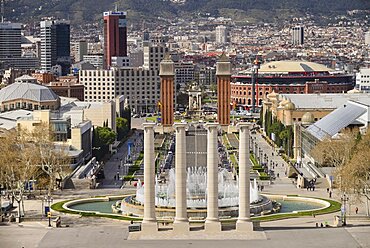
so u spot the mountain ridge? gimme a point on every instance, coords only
(83, 11)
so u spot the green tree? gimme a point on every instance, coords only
(126, 114)
(122, 128)
(102, 138)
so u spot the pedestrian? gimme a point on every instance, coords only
(330, 194)
(356, 210)
(278, 175)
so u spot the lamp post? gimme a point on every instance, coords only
(344, 200)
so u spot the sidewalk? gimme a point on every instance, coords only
(113, 167)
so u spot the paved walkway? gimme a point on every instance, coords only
(98, 232)
(113, 167)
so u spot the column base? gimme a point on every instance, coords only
(182, 227)
(244, 226)
(149, 227)
(212, 226)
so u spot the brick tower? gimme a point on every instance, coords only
(223, 73)
(167, 74)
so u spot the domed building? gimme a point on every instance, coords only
(26, 93)
(288, 77)
(308, 118)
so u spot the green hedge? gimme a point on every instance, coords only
(254, 160)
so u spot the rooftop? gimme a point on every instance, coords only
(30, 91)
(324, 101)
(290, 66)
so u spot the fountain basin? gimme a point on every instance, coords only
(132, 207)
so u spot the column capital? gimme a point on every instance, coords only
(211, 125)
(147, 125)
(180, 125)
(243, 125)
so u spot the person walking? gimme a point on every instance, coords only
(330, 194)
(356, 210)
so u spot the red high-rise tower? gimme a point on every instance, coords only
(115, 36)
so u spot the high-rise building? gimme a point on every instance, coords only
(153, 55)
(55, 45)
(10, 48)
(10, 40)
(221, 34)
(298, 35)
(80, 50)
(367, 38)
(115, 36)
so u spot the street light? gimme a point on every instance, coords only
(344, 200)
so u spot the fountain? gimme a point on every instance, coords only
(196, 194)
(197, 191)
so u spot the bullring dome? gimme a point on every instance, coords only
(288, 66)
(308, 118)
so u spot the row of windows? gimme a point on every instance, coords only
(118, 73)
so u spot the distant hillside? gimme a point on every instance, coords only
(81, 11)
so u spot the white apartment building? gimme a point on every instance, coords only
(221, 34)
(153, 55)
(298, 35)
(363, 80)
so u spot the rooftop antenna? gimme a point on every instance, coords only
(2, 10)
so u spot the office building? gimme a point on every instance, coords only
(139, 86)
(298, 35)
(221, 34)
(94, 59)
(10, 40)
(10, 48)
(80, 50)
(184, 73)
(55, 45)
(153, 55)
(115, 36)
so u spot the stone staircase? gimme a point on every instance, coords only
(81, 183)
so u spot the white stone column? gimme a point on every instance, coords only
(181, 223)
(244, 223)
(212, 223)
(149, 224)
